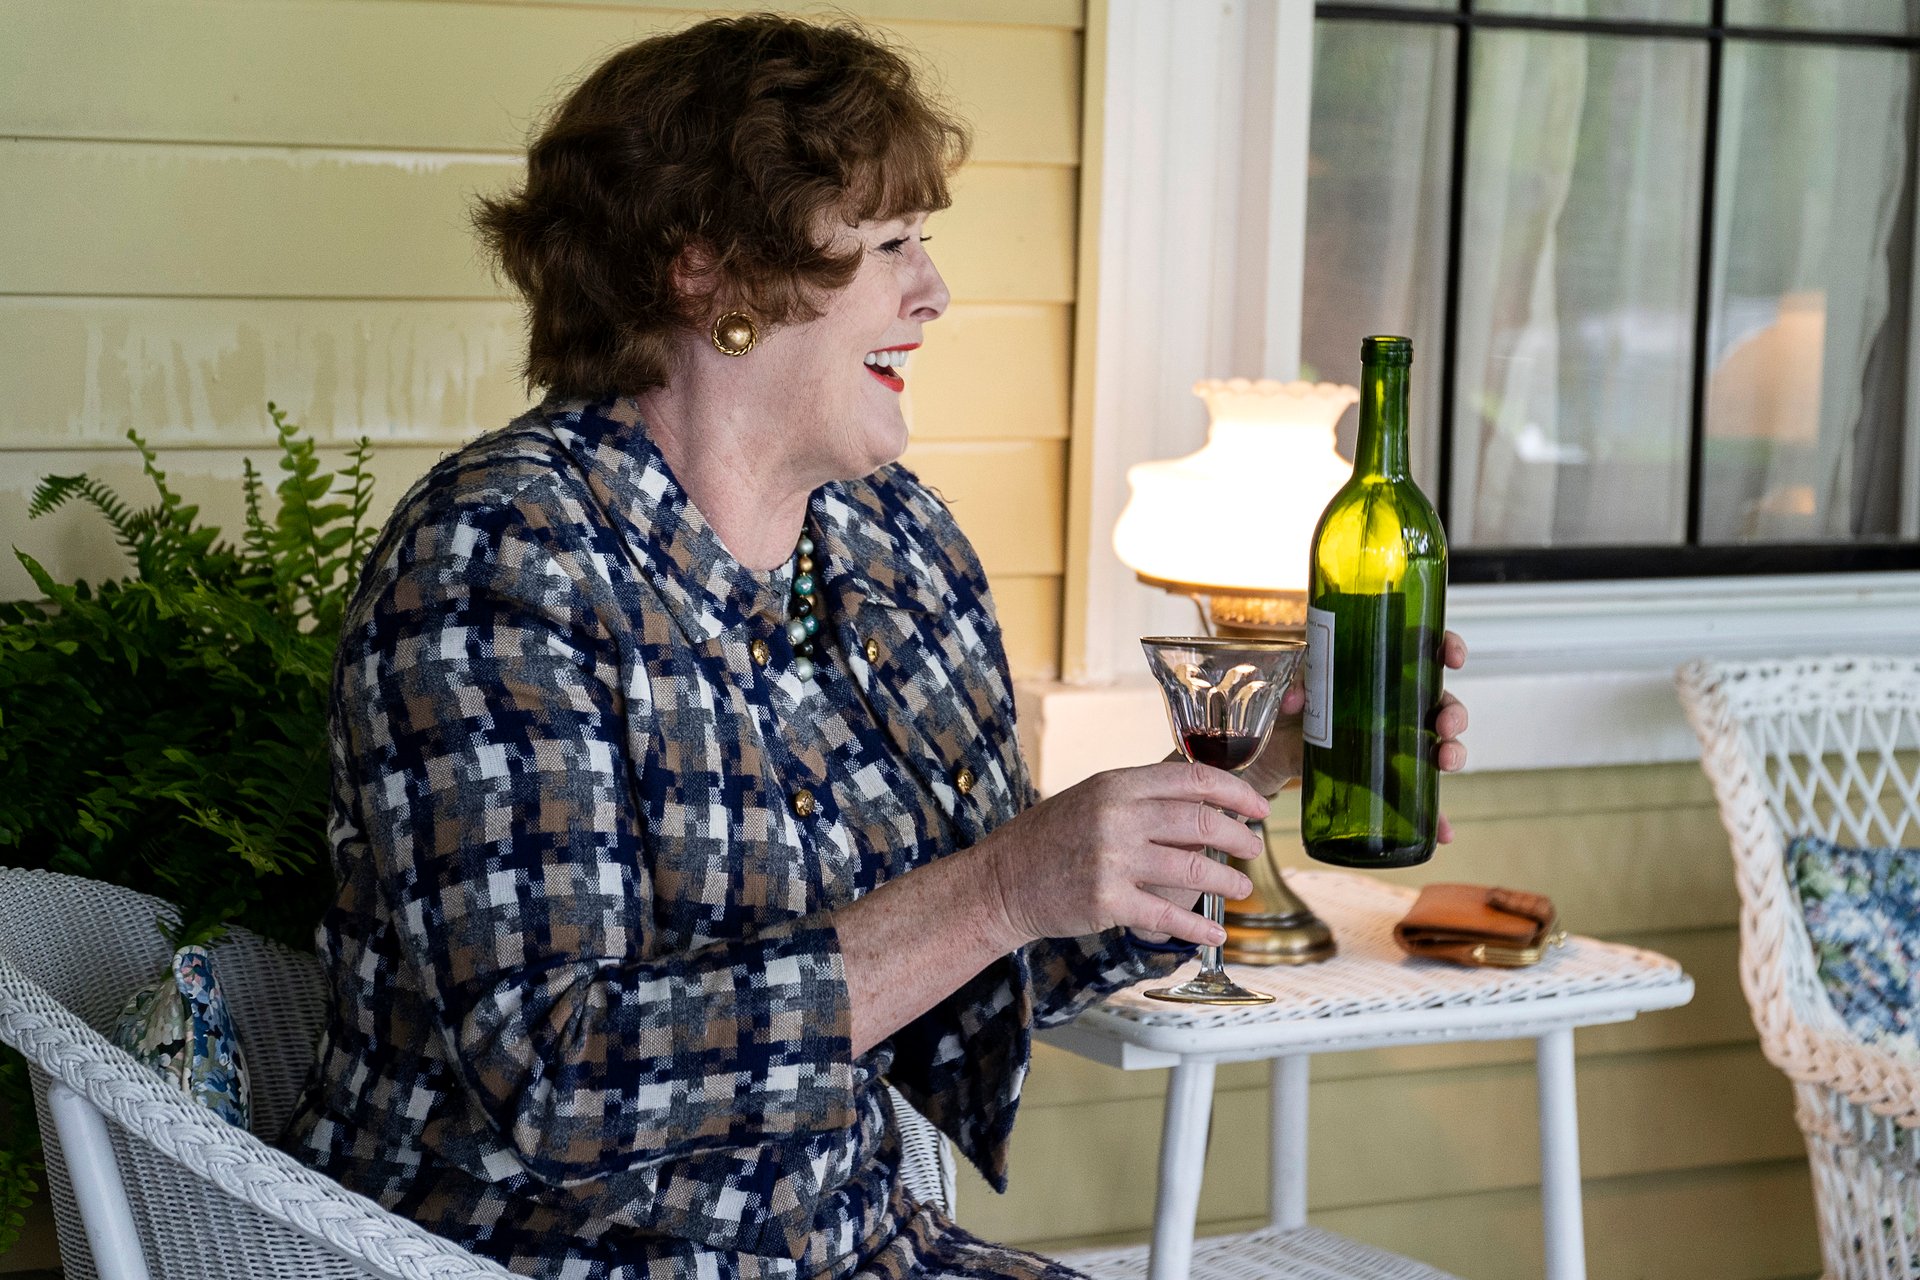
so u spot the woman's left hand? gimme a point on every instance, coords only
(1279, 764)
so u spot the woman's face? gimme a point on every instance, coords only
(840, 375)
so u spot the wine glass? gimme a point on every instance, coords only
(1223, 695)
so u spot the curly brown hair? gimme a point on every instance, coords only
(720, 148)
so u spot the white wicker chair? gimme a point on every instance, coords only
(1824, 747)
(147, 1184)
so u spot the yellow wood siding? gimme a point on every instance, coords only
(406, 75)
(1692, 1162)
(190, 371)
(145, 219)
(223, 202)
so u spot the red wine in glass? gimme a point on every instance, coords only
(1222, 694)
(1221, 748)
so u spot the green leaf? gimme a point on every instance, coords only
(166, 730)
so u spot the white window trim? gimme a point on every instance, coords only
(1195, 215)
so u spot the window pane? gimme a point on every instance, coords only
(1615, 10)
(1886, 17)
(1578, 272)
(1377, 208)
(1807, 431)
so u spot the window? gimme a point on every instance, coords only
(1657, 259)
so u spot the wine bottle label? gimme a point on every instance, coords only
(1317, 723)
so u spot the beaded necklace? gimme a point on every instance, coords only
(804, 624)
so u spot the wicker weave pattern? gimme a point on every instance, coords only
(1374, 976)
(1822, 747)
(1303, 1253)
(210, 1200)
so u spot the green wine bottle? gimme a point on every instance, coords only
(1376, 609)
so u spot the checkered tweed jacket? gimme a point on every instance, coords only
(588, 1008)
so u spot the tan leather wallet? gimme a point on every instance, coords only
(1475, 924)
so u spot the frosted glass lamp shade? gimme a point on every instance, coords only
(1236, 517)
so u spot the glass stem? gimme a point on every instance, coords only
(1214, 908)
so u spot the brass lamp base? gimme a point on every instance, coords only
(1272, 925)
(1269, 940)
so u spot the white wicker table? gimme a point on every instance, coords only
(1369, 996)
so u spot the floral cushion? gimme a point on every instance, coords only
(1862, 908)
(178, 1024)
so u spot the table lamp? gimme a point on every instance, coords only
(1229, 527)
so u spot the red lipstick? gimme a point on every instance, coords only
(886, 377)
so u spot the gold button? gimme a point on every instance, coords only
(803, 803)
(761, 654)
(873, 650)
(963, 779)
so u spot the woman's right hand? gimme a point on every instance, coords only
(1124, 848)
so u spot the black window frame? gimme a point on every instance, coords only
(1641, 560)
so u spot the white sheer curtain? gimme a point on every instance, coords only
(1528, 97)
(1579, 241)
(1381, 144)
(1579, 270)
(1807, 414)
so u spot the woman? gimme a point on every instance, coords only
(675, 773)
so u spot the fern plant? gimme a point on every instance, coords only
(167, 730)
